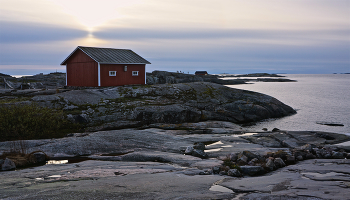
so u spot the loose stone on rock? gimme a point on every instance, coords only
(199, 153)
(189, 150)
(8, 165)
(234, 173)
(252, 170)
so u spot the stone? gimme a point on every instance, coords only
(199, 146)
(208, 172)
(337, 155)
(242, 160)
(327, 156)
(1, 162)
(233, 157)
(275, 130)
(279, 163)
(199, 153)
(300, 153)
(234, 173)
(252, 170)
(8, 165)
(249, 155)
(189, 150)
(281, 154)
(290, 160)
(40, 157)
(221, 173)
(253, 161)
(216, 170)
(306, 147)
(300, 158)
(270, 164)
(310, 156)
(348, 156)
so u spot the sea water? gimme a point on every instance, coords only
(315, 97)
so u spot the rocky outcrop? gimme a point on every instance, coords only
(175, 103)
(164, 103)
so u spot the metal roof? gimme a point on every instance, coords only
(110, 55)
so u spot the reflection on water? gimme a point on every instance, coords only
(215, 143)
(245, 134)
(317, 97)
(55, 176)
(213, 150)
(56, 162)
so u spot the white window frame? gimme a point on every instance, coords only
(135, 73)
(112, 73)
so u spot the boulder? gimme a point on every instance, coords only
(242, 160)
(252, 170)
(348, 156)
(309, 156)
(233, 157)
(216, 169)
(279, 163)
(281, 154)
(234, 173)
(337, 155)
(199, 146)
(8, 165)
(300, 158)
(40, 157)
(249, 155)
(270, 164)
(290, 160)
(253, 161)
(189, 150)
(199, 153)
(328, 156)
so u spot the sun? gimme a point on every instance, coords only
(91, 13)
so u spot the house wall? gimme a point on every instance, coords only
(81, 70)
(122, 77)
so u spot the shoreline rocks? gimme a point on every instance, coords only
(255, 165)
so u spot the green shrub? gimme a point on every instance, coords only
(22, 122)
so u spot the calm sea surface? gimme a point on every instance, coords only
(315, 97)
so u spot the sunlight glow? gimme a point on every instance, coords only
(91, 13)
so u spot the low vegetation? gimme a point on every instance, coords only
(23, 122)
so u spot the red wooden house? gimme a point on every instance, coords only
(93, 67)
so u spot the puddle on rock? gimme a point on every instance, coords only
(219, 188)
(212, 143)
(55, 176)
(56, 162)
(213, 150)
(67, 160)
(245, 134)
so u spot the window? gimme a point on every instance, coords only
(135, 73)
(112, 73)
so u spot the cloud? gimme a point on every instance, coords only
(25, 32)
(250, 35)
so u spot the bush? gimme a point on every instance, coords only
(22, 122)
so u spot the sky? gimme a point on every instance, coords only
(218, 36)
